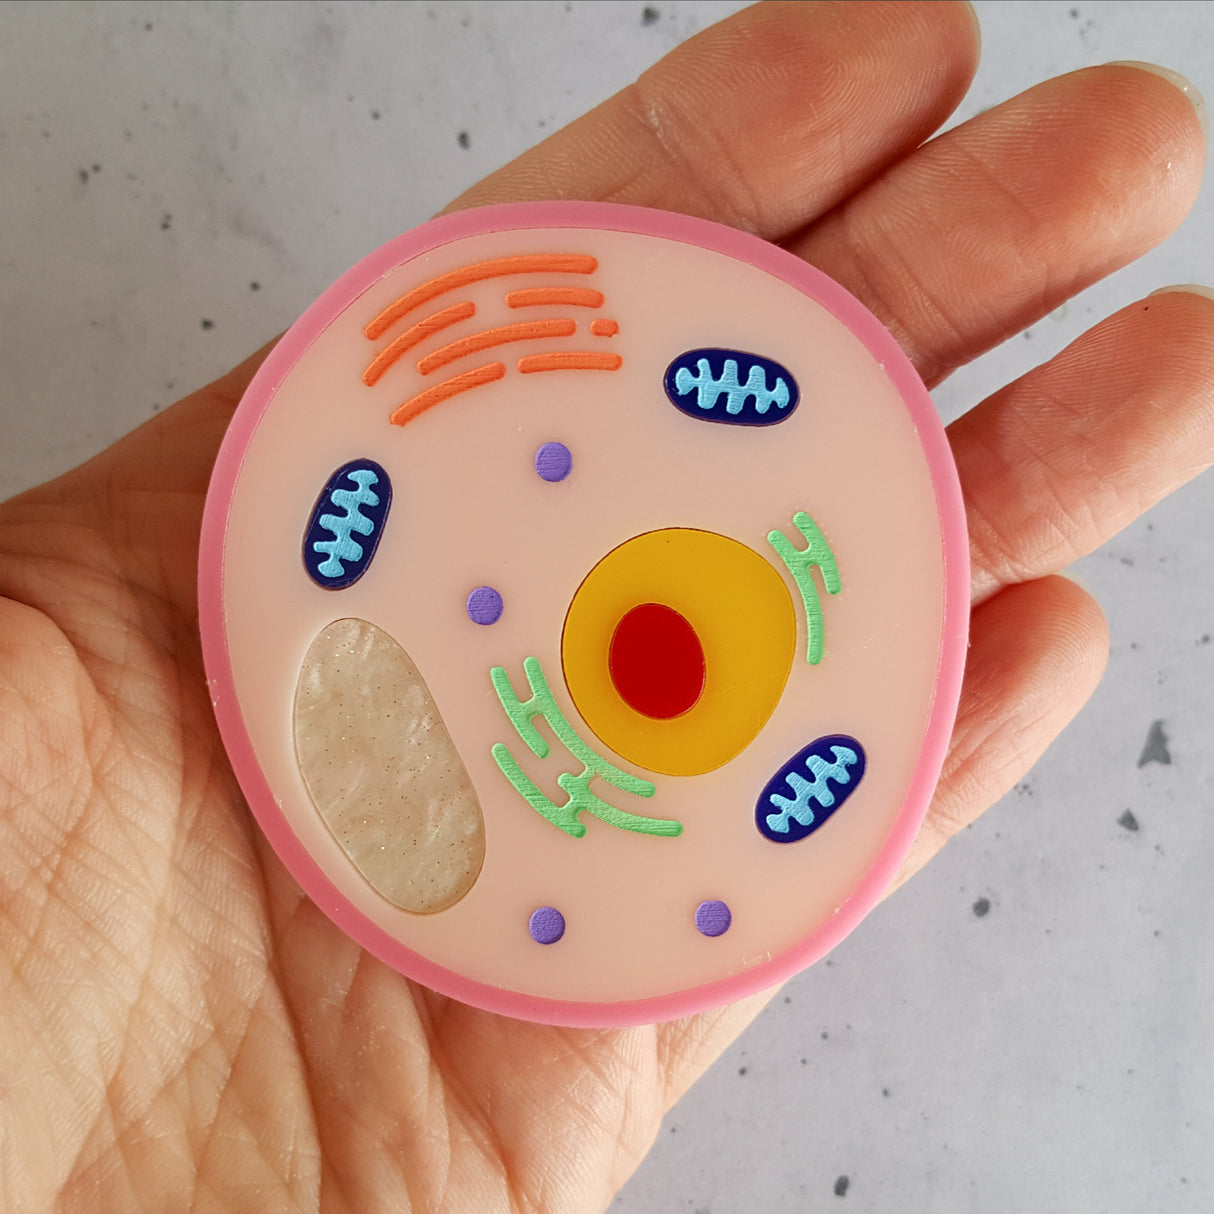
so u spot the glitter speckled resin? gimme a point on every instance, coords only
(598, 425)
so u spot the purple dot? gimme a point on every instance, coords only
(484, 605)
(547, 925)
(553, 461)
(713, 918)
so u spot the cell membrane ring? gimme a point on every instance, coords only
(583, 596)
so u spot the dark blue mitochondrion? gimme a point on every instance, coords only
(346, 524)
(809, 788)
(731, 386)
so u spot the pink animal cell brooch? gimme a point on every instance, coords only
(583, 597)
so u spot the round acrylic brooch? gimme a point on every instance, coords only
(583, 597)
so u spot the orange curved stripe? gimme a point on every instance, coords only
(604, 328)
(485, 340)
(571, 297)
(448, 388)
(499, 267)
(411, 337)
(574, 360)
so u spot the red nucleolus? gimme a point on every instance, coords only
(656, 662)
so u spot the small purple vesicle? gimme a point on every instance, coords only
(553, 461)
(484, 605)
(547, 925)
(713, 918)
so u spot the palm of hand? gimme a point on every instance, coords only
(178, 1018)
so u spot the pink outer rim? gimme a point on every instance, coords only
(612, 217)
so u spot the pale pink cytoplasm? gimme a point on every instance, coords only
(475, 505)
(657, 662)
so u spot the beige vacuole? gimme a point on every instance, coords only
(382, 770)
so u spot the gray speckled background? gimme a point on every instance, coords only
(1029, 1025)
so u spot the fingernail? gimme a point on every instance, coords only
(1183, 83)
(1193, 288)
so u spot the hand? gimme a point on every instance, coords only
(178, 1022)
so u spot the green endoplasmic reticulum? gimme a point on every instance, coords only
(800, 563)
(581, 799)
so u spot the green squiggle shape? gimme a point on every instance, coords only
(800, 562)
(541, 703)
(565, 816)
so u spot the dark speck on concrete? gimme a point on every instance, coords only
(1128, 821)
(1155, 749)
(147, 25)
(254, 286)
(885, 1092)
(83, 174)
(787, 998)
(1074, 14)
(1028, 335)
(825, 1035)
(841, 1186)
(96, 168)
(804, 1061)
(375, 115)
(166, 222)
(741, 1070)
(1125, 560)
(207, 324)
(649, 15)
(1204, 639)
(981, 908)
(463, 140)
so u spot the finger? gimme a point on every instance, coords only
(993, 224)
(1037, 652)
(764, 120)
(1059, 461)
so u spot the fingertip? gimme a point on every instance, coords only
(1038, 651)
(1064, 657)
(1083, 625)
(1182, 84)
(975, 26)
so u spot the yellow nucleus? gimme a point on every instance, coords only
(743, 617)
